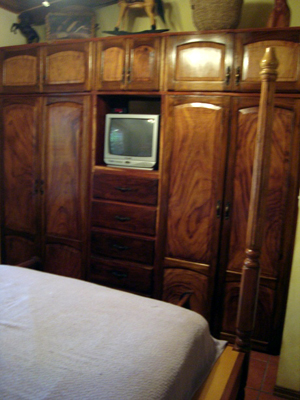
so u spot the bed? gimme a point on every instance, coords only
(62, 338)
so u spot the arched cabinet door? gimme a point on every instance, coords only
(199, 62)
(65, 173)
(197, 133)
(20, 199)
(67, 67)
(128, 64)
(20, 72)
(250, 48)
(281, 208)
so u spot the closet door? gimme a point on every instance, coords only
(280, 214)
(65, 184)
(197, 142)
(20, 179)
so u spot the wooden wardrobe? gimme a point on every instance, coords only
(183, 235)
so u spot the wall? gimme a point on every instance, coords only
(289, 364)
(178, 16)
(8, 38)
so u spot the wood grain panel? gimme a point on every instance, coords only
(20, 71)
(18, 249)
(20, 165)
(287, 53)
(200, 61)
(144, 63)
(124, 217)
(65, 67)
(127, 247)
(64, 123)
(277, 194)
(113, 60)
(178, 281)
(196, 177)
(63, 260)
(263, 324)
(122, 274)
(127, 186)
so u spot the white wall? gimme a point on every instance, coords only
(8, 38)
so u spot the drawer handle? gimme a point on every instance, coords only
(122, 219)
(123, 189)
(119, 274)
(120, 247)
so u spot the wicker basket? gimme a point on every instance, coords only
(216, 14)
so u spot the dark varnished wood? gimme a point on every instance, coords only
(256, 219)
(198, 130)
(250, 48)
(20, 69)
(178, 282)
(122, 274)
(63, 155)
(123, 185)
(63, 260)
(21, 178)
(128, 64)
(199, 62)
(117, 245)
(124, 217)
(67, 67)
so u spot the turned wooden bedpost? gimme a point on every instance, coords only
(256, 219)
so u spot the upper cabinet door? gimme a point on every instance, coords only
(67, 67)
(250, 49)
(128, 64)
(20, 69)
(110, 65)
(199, 62)
(144, 63)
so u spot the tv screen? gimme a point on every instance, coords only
(131, 140)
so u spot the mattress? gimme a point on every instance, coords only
(63, 338)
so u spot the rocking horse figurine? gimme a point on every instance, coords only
(147, 5)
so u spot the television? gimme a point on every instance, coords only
(131, 140)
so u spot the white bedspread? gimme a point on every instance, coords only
(62, 338)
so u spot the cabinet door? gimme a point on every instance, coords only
(20, 184)
(144, 64)
(67, 67)
(281, 209)
(65, 177)
(20, 69)
(110, 70)
(250, 49)
(197, 133)
(199, 62)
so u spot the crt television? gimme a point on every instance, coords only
(131, 140)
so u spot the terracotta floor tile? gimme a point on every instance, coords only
(256, 374)
(251, 394)
(268, 396)
(274, 359)
(259, 356)
(270, 378)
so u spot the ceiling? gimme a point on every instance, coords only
(37, 11)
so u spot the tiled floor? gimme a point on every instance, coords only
(262, 377)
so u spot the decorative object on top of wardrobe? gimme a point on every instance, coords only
(280, 15)
(216, 14)
(150, 7)
(24, 26)
(74, 22)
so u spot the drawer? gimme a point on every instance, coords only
(124, 217)
(125, 187)
(135, 277)
(123, 247)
